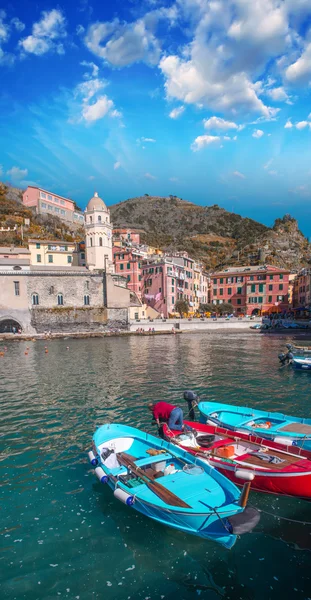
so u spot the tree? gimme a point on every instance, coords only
(204, 308)
(182, 307)
(226, 307)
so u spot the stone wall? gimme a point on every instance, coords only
(73, 286)
(70, 320)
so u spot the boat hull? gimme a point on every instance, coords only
(288, 483)
(200, 516)
(283, 429)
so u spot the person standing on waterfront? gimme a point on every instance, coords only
(167, 413)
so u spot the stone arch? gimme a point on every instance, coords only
(7, 323)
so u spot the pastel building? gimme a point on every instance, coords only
(252, 290)
(122, 234)
(49, 203)
(128, 262)
(52, 253)
(172, 278)
(303, 289)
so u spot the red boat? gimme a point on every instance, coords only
(271, 467)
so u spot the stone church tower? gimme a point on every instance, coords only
(98, 235)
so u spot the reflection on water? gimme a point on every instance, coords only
(64, 535)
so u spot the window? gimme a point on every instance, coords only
(38, 257)
(56, 199)
(35, 299)
(280, 286)
(56, 209)
(128, 278)
(69, 259)
(86, 300)
(229, 291)
(62, 212)
(38, 246)
(269, 298)
(261, 287)
(100, 241)
(82, 255)
(173, 300)
(215, 292)
(271, 277)
(253, 287)
(260, 299)
(280, 298)
(173, 290)
(16, 288)
(221, 280)
(99, 218)
(42, 195)
(91, 242)
(270, 287)
(90, 219)
(239, 290)
(128, 265)
(50, 207)
(51, 290)
(60, 299)
(139, 277)
(121, 266)
(221, 292)
(252, 277)
(50, 258)
(50, 197)
(62, 202)
(281, 275)
(43, 205)
(215, 281)
(239, 301)
(173, 282)
(160, 289)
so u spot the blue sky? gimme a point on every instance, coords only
(205, 99)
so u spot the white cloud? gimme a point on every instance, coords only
(97, 110)
(116, 165)
(176, 112)
(91, 177)
(302, 124)
(19, 26)
(219, 124)
(301, 190)
(173, 179)
(258, 133)
(1, 170)
(16, 174)
(144, 140)
(121, 44)
(238, 175)
(6, 58)
(202, 141)
(46, 34)
(273, 173)
(91, 66)
(288, 124)
(149, 176)
(278, 94)
(268, 164)
(300, 71)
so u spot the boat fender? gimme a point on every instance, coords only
(101, 475)
(286, 441)
(92, 458)
(244, 474)
(124, 497)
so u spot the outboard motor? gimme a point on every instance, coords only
(282, 358)
(289, 346)
(192, 401)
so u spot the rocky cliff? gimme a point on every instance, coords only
(212, 234)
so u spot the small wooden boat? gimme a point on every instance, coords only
(273, 468)
(275, 426)
(168, 485)
(297, 356)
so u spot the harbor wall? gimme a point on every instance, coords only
(185, 325)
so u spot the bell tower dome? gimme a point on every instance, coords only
(98, 235)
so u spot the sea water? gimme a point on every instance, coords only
(64, 535)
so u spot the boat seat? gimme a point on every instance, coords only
(149, 460)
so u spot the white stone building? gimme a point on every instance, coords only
(98, 235)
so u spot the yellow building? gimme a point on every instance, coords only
(51, 253)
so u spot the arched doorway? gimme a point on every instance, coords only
(256, 312)
(9, 326)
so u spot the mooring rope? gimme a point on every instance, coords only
(282, 518)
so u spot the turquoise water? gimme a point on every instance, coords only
(63, 535)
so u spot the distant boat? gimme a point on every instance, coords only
(169, 485)
(281, 428)
(297, 356)
(273, 468)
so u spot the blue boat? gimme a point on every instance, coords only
(284, 429)
(297, 356)
(169, 485)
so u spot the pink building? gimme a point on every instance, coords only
(252, 290)
(167, 280)
(128, 262)
(49, 203)
(127, 235)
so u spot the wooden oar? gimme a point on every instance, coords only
(162, 492)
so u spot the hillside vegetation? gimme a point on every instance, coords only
(212, 234)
